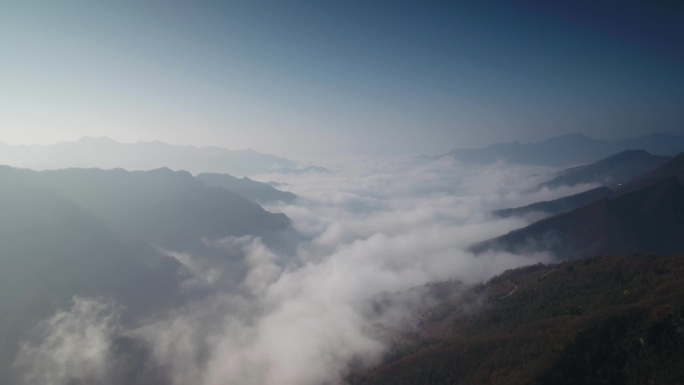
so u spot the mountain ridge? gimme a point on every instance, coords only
(610, 171)
(166, 208)
(258, 192)
(616, 172)
(567, 150)
(558, 206)
(649, 220)
(107, 153)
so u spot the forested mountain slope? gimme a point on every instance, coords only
(599, 320)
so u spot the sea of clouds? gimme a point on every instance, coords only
(298, 312)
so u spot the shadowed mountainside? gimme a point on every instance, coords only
(52, 250)
(650, 220)
(674, 168)
(644, 215)
(611, 171)
(558, 206)
(163, 207)
(91, 232)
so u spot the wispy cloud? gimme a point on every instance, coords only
(72, 345)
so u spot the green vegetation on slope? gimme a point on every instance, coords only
(601, 320)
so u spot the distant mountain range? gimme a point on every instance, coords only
(567, 150)
(304, 170)
(104, 233)
(107, 154)
(645, 215)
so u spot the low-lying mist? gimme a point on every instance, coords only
(298, 311)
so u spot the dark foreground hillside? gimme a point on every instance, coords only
(601, 320)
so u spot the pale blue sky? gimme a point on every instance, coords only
(310, 78)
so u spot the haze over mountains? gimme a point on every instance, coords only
(53, 250)
(641, 215)
(159, 266)
(615, 315)
(672, 169)
(164, 207)
(569, 149)
(610, 173)
(645, 221)
(107, 154)
(559, 205)
(247, 188)
(247, 203)
(115, 234)
(180, 276)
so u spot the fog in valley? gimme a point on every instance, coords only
(294, 307)
(218, 192)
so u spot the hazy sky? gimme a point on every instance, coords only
(306, 78)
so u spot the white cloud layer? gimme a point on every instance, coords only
(301, 317)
